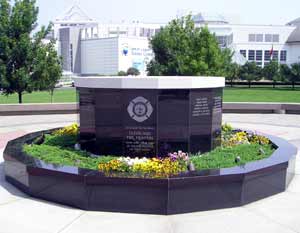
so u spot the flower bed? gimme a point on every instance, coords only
(238, 148)
(49, 165)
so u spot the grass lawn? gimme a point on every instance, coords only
(262, 94)
(235, 94)
(60, 96)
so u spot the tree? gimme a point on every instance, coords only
(271, 72)
(122, 73)
(233, 72)
(285, 72)
(133, 71)
(182, 49)
(46, 68)
(295, 74)
(26, 63)
(250, 72)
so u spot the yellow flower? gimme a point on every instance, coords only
(68, 130)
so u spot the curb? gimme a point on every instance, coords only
(38, 109)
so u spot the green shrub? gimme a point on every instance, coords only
(68, 157)
(226, 157)
(60, 140)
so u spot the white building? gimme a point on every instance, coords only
(88, 47)
(108, 56)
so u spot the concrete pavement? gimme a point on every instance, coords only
(20, 213)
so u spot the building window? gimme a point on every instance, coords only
(275, 55)
(251, 55)
(259, 37)
(252, 37)
(258, 55)
(259, 63)
(283, 55)
(268, 38)
(244, 53)
(142, 32)
(267, 55)
(276, 38)
(272, 38)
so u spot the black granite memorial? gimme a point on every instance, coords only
(143, 122)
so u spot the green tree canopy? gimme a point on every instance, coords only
(122, 73)
(233, 72)
(133, 71)
(271, 72)
(180, 48)
(250, 72)
(295, 73)
(285, 72)
(26, 63)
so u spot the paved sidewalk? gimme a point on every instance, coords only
(278, 214)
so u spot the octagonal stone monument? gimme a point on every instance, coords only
(150, 116)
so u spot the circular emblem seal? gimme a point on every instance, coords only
(140, 109)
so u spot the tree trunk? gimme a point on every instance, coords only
(20, 97)
(293, 83)
(274, 83)
(249, 84)
(51, 93)
(231, 83)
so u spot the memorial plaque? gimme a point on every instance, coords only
(217, 117)
(139, 122)
(139, 141)
(200, 121)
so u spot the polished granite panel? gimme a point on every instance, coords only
(87, 114)
(147, 196)
(62, 184)
(187, 192)
(148, 123)
(204, 193)
(173, 121)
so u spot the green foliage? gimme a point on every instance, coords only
(226, 128)
(122, 73)
(226, 157)
(285, 72)
(26, 63)
(233, 72)
(250, 72)
(61, 140)
(58, 150)
(295, 73)
(182, 49)
(271, 71)
(133, 71)
(65, 156)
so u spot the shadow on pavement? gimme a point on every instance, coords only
(8, 187)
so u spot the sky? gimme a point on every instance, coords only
(160, 11)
